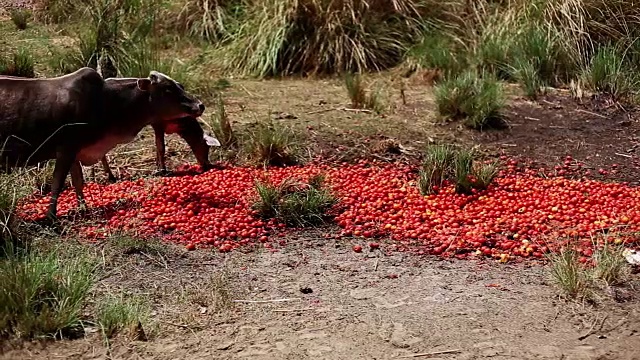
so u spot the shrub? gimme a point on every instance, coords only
(222, 127)
(56, 11)
(436, 168)
(41, 295)
(444, 163)
(272, 144)
(609, 73)
(20, 18)
(118, 313)
(611, 267)
(437, 51)
(211, 20)
(20, 64)
(360, 99)
(296, 204)
(478, 100)
(568, 274)
(321, 36)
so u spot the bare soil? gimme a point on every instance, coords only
(354, 306)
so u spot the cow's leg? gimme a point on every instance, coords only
(160, 150)
(107, 169)
(64, 160)
(77, 180)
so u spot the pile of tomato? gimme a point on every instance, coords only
(522, 214)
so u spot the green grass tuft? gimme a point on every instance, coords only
(119, 313)
(42, 294)
(319, 36)
(609, 73)
(295, 204)
(479, 100)
(272, 144)
(20, 63)
(20, 18)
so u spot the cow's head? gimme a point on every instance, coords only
(168, 97)
(199, 140)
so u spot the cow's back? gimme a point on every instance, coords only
(38, 116)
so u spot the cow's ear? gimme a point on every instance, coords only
(154, 76)
(144, 84)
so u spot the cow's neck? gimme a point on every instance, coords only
(127, 105)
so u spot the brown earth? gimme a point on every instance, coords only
(355, 306)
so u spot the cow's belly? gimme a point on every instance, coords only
(90, 155)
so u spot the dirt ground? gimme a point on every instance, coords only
(322, 301)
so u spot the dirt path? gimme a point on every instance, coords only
(362, 306)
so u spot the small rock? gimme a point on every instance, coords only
(306, 290)
(362, 294)
(226, 345)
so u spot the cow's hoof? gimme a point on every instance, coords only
(52, 224)
(112, 179)
(212, 167)
(162, 172)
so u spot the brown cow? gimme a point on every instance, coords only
(187, 128)
(77, 118)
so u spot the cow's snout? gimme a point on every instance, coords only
(197, 109)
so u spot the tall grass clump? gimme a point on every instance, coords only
(360, 98)
(295, 203)
(569, 275)
(444, 164)
(20, 18)
(119, 313)
(211, 20)
(20, 64)
(436, 168)
(321, 36)
(438, 51)
(42, 294)
(272, 144)
(476, 99)
(609, 72)
(221, 125)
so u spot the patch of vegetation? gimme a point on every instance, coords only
(124, 312)
(436, 168)
(272, 144)
(131, 245)
(608, 72)
(222, 127)
(611, 267)
(444, 163)
(437, 51)
(42, 294)
(478, 99)
(20, 64)
(20, 18)
(568, 274)
(317, 36)
(295, 204)
(211, 20)
(360, 99)
(581, 279)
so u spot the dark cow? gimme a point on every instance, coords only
(77, 118)
(189, 129)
